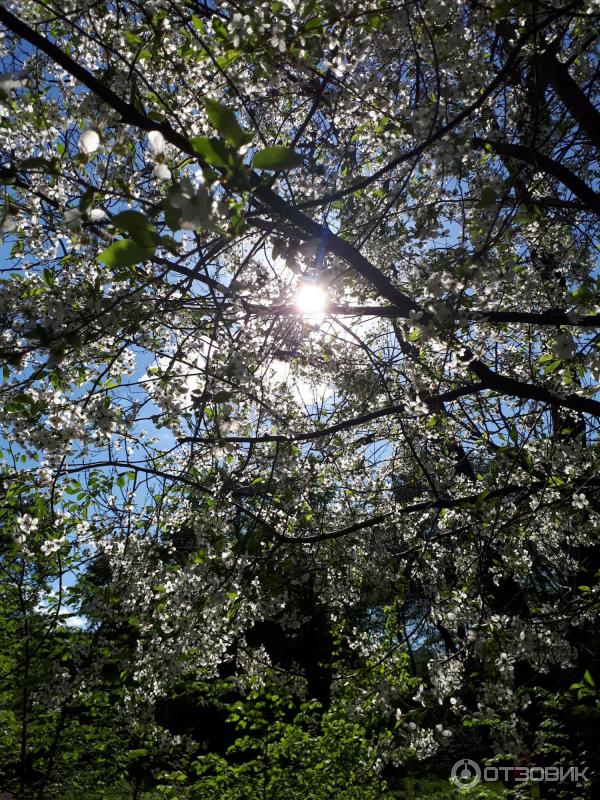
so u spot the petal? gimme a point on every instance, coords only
(162, 171)
(89, 141)
(156, 141)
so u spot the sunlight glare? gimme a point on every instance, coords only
(311, 300)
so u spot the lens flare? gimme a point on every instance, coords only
(311, 300)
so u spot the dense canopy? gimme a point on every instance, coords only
(300, 347)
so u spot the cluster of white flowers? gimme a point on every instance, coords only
(120, 366)
(156, 143)
(51, 546)
(580, 501)
(26, 525)
(563, 346)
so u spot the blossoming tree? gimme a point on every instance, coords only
(300, 313)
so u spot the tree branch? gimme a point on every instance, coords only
(434, 402)
(579, 106)
(333, 243)
(546, 164)
(552, 317)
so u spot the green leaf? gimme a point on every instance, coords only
(141, 230)
(170, 244)
(37, 163)
(132, 39)
(222, 396)
(225, 121)
(213, 151)
(141, 751)
(552, 367)
(172, 215)
(124, 253)
(277, 157)
(220, 29)
(489, 196)
(587, 677)
(581, 294)
(49, 277)
(314, 24)
(23, 399)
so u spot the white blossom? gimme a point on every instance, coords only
(162, 172)
(89, 141)
(156, 141)
(9, 82)
(52, 546)
(563, 346)
(580, 501)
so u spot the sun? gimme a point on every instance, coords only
(311, 300)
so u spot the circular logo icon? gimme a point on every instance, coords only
(465, 774)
